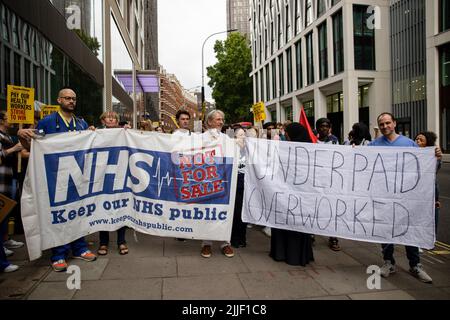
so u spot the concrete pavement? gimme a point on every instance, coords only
(166, 269)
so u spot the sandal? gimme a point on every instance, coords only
(102, 251)
(123, 249)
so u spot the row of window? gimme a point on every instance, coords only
(275, 20)
(364, 57)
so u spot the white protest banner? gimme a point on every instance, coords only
(164, 185)
(373, 194)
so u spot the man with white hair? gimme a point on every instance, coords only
(214, 123)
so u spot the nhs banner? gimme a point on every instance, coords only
(163, 185)
(374, 194)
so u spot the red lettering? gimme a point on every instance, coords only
(217, 186)
(212, 172)
(200, 177)
(186, 175)
(186, 195)
(185, 161)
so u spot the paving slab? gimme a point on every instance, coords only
(285, 285)
(258, 262)
(344, 280)
(216, 265)
(429, 294)
(329, 298)
(382, 295)
(140, 268)
(173, 247)
(129, 289)
(207, 287)
(52, 291)
(327, 257)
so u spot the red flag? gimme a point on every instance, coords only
(304, 122)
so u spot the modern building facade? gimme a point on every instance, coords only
(238, 15)
(328, 56)
(438, 69)
(39, 49)
(151, 61)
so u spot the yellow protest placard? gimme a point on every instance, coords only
(20, 103)
(259, 112)
(48, 110)
(6, 205)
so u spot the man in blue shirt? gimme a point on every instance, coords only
(389, 138)
(60, 122)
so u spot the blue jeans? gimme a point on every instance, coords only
(104, 237)
(412, 253)
(78, 247)
(3, 261)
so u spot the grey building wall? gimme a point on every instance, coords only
(238, 14)
(151, 54)
(408, 55)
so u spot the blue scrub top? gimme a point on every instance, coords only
(53, 123)
(401, 141)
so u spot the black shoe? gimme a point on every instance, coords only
(180, 239)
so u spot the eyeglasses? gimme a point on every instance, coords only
(69, 98)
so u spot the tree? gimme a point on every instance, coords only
(230, 78)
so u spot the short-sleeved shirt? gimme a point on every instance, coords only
(55, 124)
(401, 141)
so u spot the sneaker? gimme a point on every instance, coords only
(12, 244)
(206, 251)
(267, 231)
(8, 252)
(228, 251)
(420, 274)
(333, 243)
(60, 265)
(87, 256)
(387, 268)
(11, 268)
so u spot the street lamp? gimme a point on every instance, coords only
(203, 63)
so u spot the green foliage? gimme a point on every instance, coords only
(91, 42)
(230, 78)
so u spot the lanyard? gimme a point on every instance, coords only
(68, 123)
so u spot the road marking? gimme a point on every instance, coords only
(435, 259)
(442, 245)
(441, 252)
(444, 197)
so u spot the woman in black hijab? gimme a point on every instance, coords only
(292, 247)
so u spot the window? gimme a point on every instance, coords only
(289, 69)
(267, 83)
(288, 113)
(445, 66)
(6, 65)
(309, 59)
(5, 26)
(26, 39)
(280, 32)
(261, 86)
(323, 51)
(338, 40)
(281, 73)
(298, 64)
(274, 80)
(15, 30)
(298, 19)
(309, 108)
(17, 70)
(320, 7)
(363, 97)
(273, 115)
(364, 39)
(334, 2)
(335, 103)
(257, 87)
(444, 15)
(308, 12)
(288, 25)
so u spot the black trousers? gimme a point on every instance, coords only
(239, 229)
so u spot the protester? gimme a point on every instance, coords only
(387, 124)
(160, 129)
(295, 248)
(146, 125)
(8, 159)
(60, 122)
(323, 127)
(428, 139)
(183, 118)
(360, 135)
(110, 120)
(214, 122)
(239, 229)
